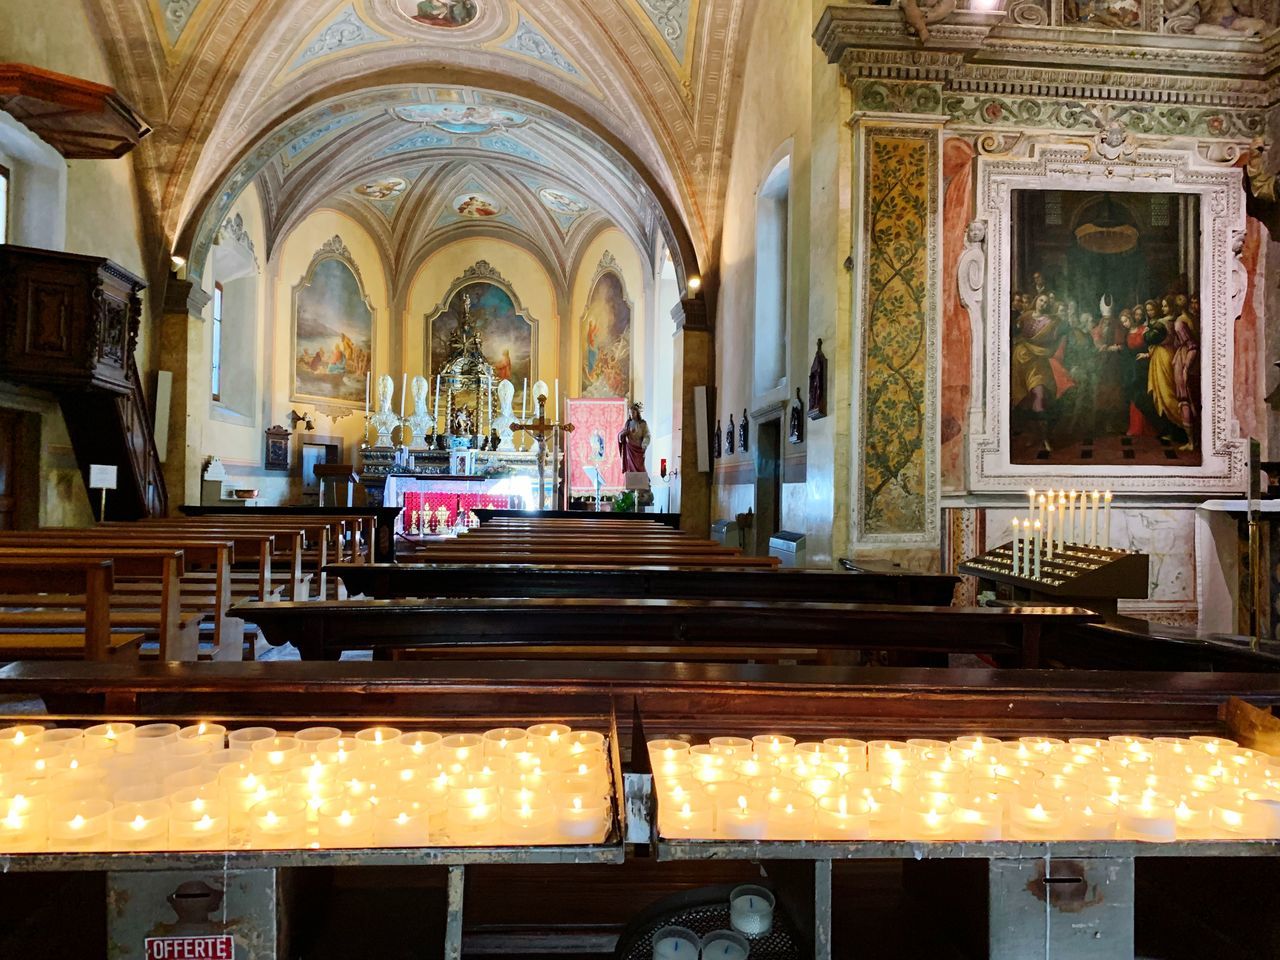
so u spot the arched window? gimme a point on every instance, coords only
(773, 251)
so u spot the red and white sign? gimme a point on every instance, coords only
(191, 948)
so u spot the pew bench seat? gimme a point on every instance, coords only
(66, 645)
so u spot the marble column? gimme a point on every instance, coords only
(897, 240)
(182, 352)
(694, 357)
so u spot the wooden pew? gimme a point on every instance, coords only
(85, 582)
(377, 523)
(597, 559)
(323, 630)
(387, 581)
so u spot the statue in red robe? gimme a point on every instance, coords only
(633, 441)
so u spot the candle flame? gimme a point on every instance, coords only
(345, 818)
(577, 803)
(77, 822)
(204, 823)
(270, 819)
(139, 822)
(742, 804)
(18, 738)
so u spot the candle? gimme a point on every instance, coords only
(751, 910)
(366, 395)
(556, 413)
(212, 733)
(843, 818)
(1027, 544)
(1046, 516)
(345, 823)
(926, 816)
(23, 823)
(278, 823)
(79, 826)
(1106, 520)
(1062, 521)
(978, 811)
(401, 823)
(1038, 546)
(203, 831)
(529, 821)
(435, 413)
(1031, 500)
(110, 736)
(1149, 816)
(1016, 545)
(584, 820)
(1093, 533)
(1071, 516)
(274, 754)
(741, 820)
(1035, 817)
(725, 945)
(676, 943)
(139, 826)
(790, 816)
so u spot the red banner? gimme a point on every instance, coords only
(594, 443)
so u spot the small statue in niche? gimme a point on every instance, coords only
(744, 435)
(796, 432)
(462, 422)
(729, 440)
(719, 434)
(818, 385)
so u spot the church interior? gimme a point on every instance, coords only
(639, 479)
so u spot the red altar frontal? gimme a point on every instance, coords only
(434, 504)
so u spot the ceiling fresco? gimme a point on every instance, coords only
(302, 97)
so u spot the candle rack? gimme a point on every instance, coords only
(1077, 575)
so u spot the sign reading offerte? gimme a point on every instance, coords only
(191, 948)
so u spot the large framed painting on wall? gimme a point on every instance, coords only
(606, 335)
(1103, 296)
(508, 334)
(332, 330)
(1104, 313)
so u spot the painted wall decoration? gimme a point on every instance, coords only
(507, 333)
(384, 189)
(561, 201)
(594, 443)
(440, 13)
(606, 335)
(476, 206)
(332, 329)
(465, 120)
(1104, 314)
(898, 339)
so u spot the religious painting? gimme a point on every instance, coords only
(594, 444)
(1104, 14)
(476, 206)
(332, 330)
(1104, 320)
(506, 334)
(440, 13)
(606, 338)
(473, 120)
(559, 201)
(385, 189)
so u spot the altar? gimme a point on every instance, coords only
(442, 502)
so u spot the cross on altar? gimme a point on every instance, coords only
(540, 429)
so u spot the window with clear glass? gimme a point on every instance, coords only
(5, 182)
(217, 341)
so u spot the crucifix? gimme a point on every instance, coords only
(540, 429)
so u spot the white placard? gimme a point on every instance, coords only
(102, 477)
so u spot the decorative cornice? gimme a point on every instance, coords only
(482, 270)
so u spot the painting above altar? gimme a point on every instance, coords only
(606, 338)
(506, 336)
(1104, 321)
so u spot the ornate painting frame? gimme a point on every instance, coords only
(332, 249)
(985, 278)
(608, 265)
(483, 272)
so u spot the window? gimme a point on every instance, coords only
(4, 204)
(217, 341)
(773, 250)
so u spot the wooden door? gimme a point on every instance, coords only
(10, 427)
(19, 456)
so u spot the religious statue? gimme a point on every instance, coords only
(718, 452)
(744, 434)
(1219, 18)
(506, 416)
(419, 422)
(495, 440)
(384, 421)
(795, 433)
(463, 424)
(818, 385)
(729, 440)
(633, 441)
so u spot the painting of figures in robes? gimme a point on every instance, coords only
(506, 335)
(606, 339)
(440, 13)
(332, 334)
(1104, 321)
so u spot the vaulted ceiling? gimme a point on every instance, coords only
(582, 112)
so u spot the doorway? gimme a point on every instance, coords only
(768, 483)
(19, 470)
(317, 450)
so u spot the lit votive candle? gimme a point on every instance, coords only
(1239, 818)
(1193, 817)
(79, 826)
(139, 826)
(850, 751)
(527, 823)
(790, 816)
(505, 742)
(690, 819)
(246, 737)
(667, 751)
(23, 823)
(1149, 817)
(471, 817)
(676, 943)
(1036, 817)
(459, 748)
(310, 739)
(978, 814)
(275, 754)
(741, 819)
(214, 734)
(1093, 818)
(725, 945)
(579, 742)
(278, 823)
(203, 831)
(19, 736)
(583, 820)
(751, 910)
(381, 739)
(887, 755)
(925, 817)
(345, 823)
(401, 822)
(731, 746)
(152, 737)
(110, 736)
(345, 754)
(843, 817)
(552, 733)
(773, 745)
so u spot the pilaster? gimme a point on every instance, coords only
(182, 353)
(694, 356)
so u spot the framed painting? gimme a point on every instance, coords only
(509, 334)
(1106, 305)
(332, 330)
(594, 443)
(606, 335)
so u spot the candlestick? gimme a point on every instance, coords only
(366, 394)
(1031, 501)
(1039, 532)
(1017, 539)
(1106, 522)
(1027, 542)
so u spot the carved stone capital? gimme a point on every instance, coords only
(691, 314)
(185, 296)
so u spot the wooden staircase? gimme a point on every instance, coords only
(69, 325)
